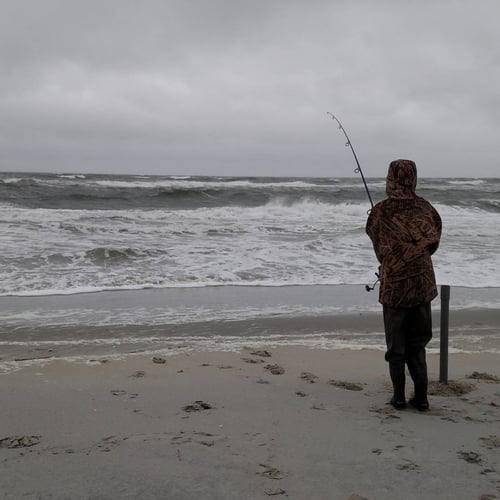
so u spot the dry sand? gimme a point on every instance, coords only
(298, 424)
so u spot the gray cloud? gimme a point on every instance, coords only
(242, 88)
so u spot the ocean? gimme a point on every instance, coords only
(175, 250)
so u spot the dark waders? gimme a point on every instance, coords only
(407, 332)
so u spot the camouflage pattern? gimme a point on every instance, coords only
(405, 231)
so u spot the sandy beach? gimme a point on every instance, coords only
(240, 393)
(289, 422)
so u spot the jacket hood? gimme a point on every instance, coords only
(401, 179)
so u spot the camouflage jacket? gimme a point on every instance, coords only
(405, 231)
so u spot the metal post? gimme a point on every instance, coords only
(443, 347)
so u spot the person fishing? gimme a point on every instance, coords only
(405, 230)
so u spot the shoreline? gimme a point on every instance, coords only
(289, 421)
(117, 324)
(222, 302)
(472, 331)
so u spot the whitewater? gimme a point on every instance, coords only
(69, 234)
(179, 262)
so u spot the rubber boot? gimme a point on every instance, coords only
(417, 367)
(397, 373)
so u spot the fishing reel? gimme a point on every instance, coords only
(369, 288)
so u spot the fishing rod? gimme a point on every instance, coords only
(349, 145)
(357, 170)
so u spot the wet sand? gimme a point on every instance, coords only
(223, 318)
(287, 422)
(470, 330)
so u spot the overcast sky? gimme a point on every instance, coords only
(233, 87)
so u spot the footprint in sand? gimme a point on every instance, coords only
(207, 438)
(450, 419)
(118, 392)
(275, 369)
(271, 472)
(181, 439)
(409, 465)
(471, 457)
(271, 492)
(309, 377)
(207, 443)
(350, 386)
(385, 413)
(253, 361)
(318, 406)
(108, 443)
(490, 442)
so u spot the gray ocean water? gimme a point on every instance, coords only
(173, 250)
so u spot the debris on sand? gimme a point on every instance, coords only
(159, 361)
(197, 406)
(452, 388)
(262, 353)
(484, 376)
(19, 441)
